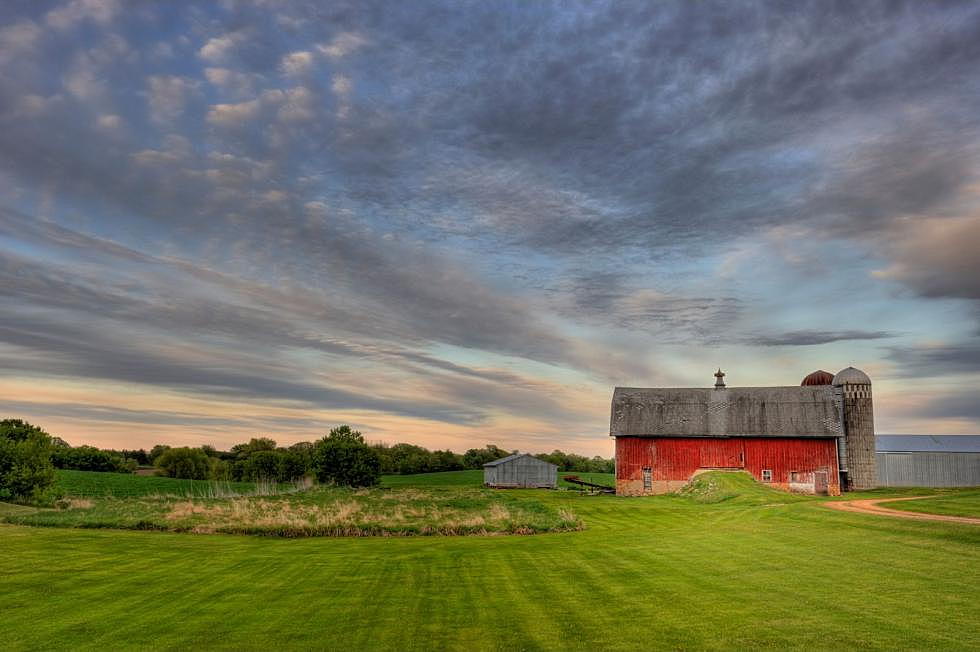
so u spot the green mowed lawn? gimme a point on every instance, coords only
(742, 567)
(955, 503)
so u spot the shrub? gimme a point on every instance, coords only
(25, 460)
(342, 458)
(187, 463)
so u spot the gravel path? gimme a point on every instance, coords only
(872, 506)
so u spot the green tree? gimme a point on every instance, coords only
(342, 458)
(218, 469)
(475, 458)
(25, 460)
(188, 463)
(88, 458)
(346, 433)
(254, 445)
(294, 464)
(263, 465)
(156, 452)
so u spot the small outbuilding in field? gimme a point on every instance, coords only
(520, 470)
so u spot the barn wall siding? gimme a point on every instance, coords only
(922, 469)
(674, 460)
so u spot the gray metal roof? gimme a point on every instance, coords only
(514, 457)
(927, 443)
(808, 411)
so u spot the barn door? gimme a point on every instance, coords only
(722, 454)
(820, 483)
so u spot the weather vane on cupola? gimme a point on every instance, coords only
(720, 382)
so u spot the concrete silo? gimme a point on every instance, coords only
(853, 389)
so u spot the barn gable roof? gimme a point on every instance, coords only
(503, 460)
(808, 411)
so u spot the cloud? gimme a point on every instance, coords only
(939, 359)
(251, 313)
(936, 257)
(296, 64)
(499, 196)
(168, 96)
(219, 48)
(342, 45)
(109, 121)
(69, 14)
(957, 404)
(816, 337)
(18, 39)
(298, 105)
(235, 82)
(233, 114)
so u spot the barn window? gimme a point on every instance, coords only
(647, 478)
(794, 476)
(767, 475)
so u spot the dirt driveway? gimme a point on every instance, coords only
(871, 506)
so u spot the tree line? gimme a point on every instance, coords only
(342, 457)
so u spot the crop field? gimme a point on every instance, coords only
(728, 564)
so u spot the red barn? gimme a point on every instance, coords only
(792, 438)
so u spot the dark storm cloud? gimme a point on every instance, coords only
(812, 337)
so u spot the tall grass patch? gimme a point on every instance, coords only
(321, 511)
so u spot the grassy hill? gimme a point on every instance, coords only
(727, 565)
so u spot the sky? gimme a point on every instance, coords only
(454, 223)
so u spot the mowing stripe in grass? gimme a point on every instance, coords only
(658, 573)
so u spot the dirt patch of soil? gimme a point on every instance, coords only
(872, 506)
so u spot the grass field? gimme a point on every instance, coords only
(957, 503)
(89, 484)
(734, 566)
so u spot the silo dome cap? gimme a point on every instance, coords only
(851, 376)
(819, 377)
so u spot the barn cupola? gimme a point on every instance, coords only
(719, 379)
(819, 377)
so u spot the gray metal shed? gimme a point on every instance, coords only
(520, 470)
(928, 460)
